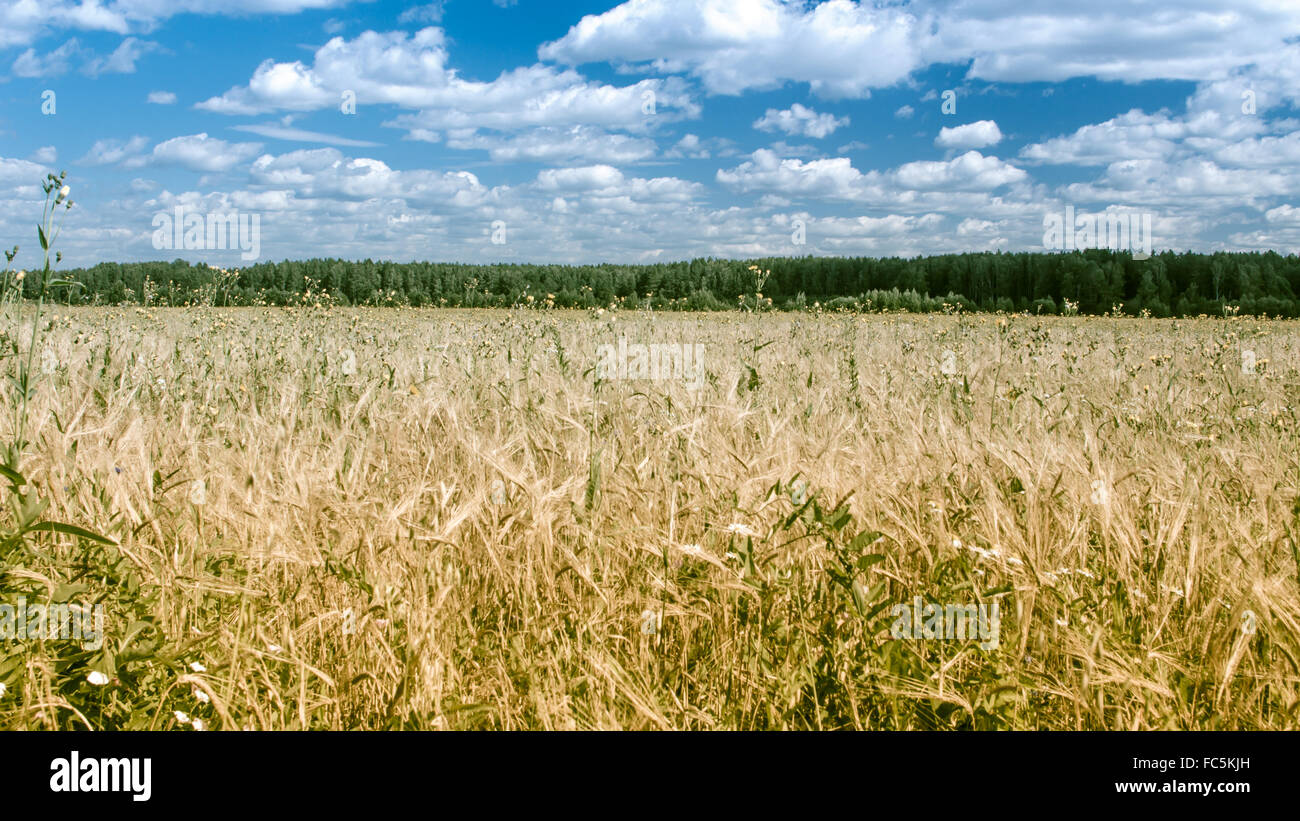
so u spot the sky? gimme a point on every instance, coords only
(651, 130)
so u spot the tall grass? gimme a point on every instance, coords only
(464, 528)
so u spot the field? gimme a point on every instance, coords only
(400, 518)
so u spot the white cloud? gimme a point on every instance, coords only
(971, 171)
(411, 71)
(1193, 182)
(428, 13)
(586, 178)
(109, 151)
(284, 132)
(1037, 40)
(841, 49)
(798, 120)
(161, 98)
(53, 64)
(122, 60)
(836, 178)
(199, 152)
(786, 149)
(979, 134)
(607, 187)
(579, 144)
(326, 173)
(845, 49)
(1137, 135)
(59, 61)
(765, 171)
(396, 67)
(689, 146)
(904, 112)
(22, 21)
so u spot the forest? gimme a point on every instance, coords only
(1084, 282)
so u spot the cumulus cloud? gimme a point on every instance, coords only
(1035, 41)
(1137, 135)
(971, 171)
(109, 151)
(326, 172)
(411, 71)
(579, 144)
(197, 152)
(736, 45)
(837, 178)
(980, 134)
(798, 120)
(23, 21)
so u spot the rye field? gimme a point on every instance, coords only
(388, 518)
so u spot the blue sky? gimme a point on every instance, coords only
(648, 130)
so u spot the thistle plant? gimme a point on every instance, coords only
(57, 194)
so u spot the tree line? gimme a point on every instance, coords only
(1086, 282)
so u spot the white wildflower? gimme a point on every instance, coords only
(1100, 493)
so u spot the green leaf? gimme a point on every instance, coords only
(71, 530)
(66, 592)
(870, 559)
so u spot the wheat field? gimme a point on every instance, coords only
(381, 518)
